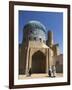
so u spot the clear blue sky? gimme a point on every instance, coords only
(52, 21)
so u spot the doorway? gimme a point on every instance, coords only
(38, 62)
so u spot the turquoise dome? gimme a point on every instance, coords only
(34, 30)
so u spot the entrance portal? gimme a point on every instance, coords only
(38, 62)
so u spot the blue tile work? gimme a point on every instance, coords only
(34, 30)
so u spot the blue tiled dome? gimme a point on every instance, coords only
(34, 30)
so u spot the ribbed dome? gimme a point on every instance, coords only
(34, 30)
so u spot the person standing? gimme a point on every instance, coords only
(50, 72)
(54, 71)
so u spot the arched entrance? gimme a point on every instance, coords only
(38, 62)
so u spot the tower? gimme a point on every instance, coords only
(50, 38)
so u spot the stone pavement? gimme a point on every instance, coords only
(38, 76)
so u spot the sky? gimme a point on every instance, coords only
(51, 20)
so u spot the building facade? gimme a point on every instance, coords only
(37, 51)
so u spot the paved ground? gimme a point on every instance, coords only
(38, 76)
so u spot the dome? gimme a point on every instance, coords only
(34, 30)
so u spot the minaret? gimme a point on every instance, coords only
(50, 38)
(50, 43)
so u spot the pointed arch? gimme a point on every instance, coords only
(38, 62)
